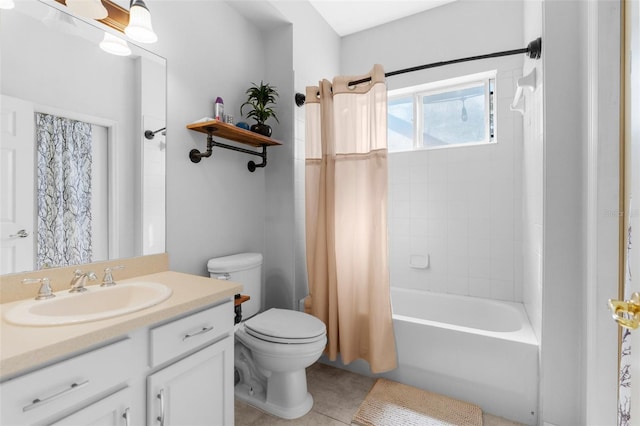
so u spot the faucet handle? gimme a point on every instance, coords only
(107, 280)
(45, 291)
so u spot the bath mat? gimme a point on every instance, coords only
(394, 404)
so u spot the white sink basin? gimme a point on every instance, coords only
(96, 303)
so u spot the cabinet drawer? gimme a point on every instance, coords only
(170, 340)
(50, 390)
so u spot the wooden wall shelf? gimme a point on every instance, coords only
(232, 133)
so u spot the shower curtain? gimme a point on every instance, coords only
(64, 191)
(346, 218)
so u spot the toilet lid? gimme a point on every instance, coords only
(285, 326)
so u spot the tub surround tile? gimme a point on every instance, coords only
(502, 290)
(473, 195)
(480, 287)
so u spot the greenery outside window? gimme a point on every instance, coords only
(450, 113)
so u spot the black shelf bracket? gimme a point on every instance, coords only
(195, 156)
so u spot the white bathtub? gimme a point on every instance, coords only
(479, 350)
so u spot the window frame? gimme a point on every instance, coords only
(418, 92)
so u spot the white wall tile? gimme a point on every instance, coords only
(458, 284)
(419, 227)
(502, 290)
(461, 206)
(480, 287)
(479, 267)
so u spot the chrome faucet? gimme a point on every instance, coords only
(108, 280)
(79, 280)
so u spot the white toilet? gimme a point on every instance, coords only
(272, 348)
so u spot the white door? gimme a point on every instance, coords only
(17, 221)
(195, 391)
(634, 191)
(629, 378)
(632, 195)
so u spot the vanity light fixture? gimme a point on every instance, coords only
(114, 45)
(139, 28)
(93, 9)
(7, 4)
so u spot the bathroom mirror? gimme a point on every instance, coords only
(53, 68)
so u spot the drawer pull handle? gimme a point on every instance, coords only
(160, 418)
(125, 416)
(38, 402)
(204, 330)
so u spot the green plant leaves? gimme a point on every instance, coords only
(261, 98)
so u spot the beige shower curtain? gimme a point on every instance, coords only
(346, 218)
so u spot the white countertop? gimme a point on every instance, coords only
(23, 347)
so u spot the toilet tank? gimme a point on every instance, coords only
(245, 269)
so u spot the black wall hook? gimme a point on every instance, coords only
(150, 135)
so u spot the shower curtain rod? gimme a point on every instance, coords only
(533, 50)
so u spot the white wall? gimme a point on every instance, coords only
(461, 206)
(563, 242)
(532, 175)
(315, 55)
(215, 207)
(300, 49)
(279, 231)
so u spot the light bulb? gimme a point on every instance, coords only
(7, 4)
(139, 28)
(93, 9)
(464, 115)
(115, 45)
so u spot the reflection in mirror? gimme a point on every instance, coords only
(80, 182)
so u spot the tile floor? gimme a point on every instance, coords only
(337, 394)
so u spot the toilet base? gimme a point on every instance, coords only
(258, 399)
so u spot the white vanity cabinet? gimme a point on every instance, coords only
(186, 359)
(197, 389)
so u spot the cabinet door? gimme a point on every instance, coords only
(114, 410)
(197, 390)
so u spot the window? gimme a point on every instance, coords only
(455, 112)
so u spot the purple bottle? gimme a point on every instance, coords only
(218, 109)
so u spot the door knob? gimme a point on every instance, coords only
(21, 233)
(626, 313)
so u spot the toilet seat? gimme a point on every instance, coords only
(285, 326)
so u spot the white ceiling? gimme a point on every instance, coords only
(350, 16)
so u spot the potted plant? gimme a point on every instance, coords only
(261, 99)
